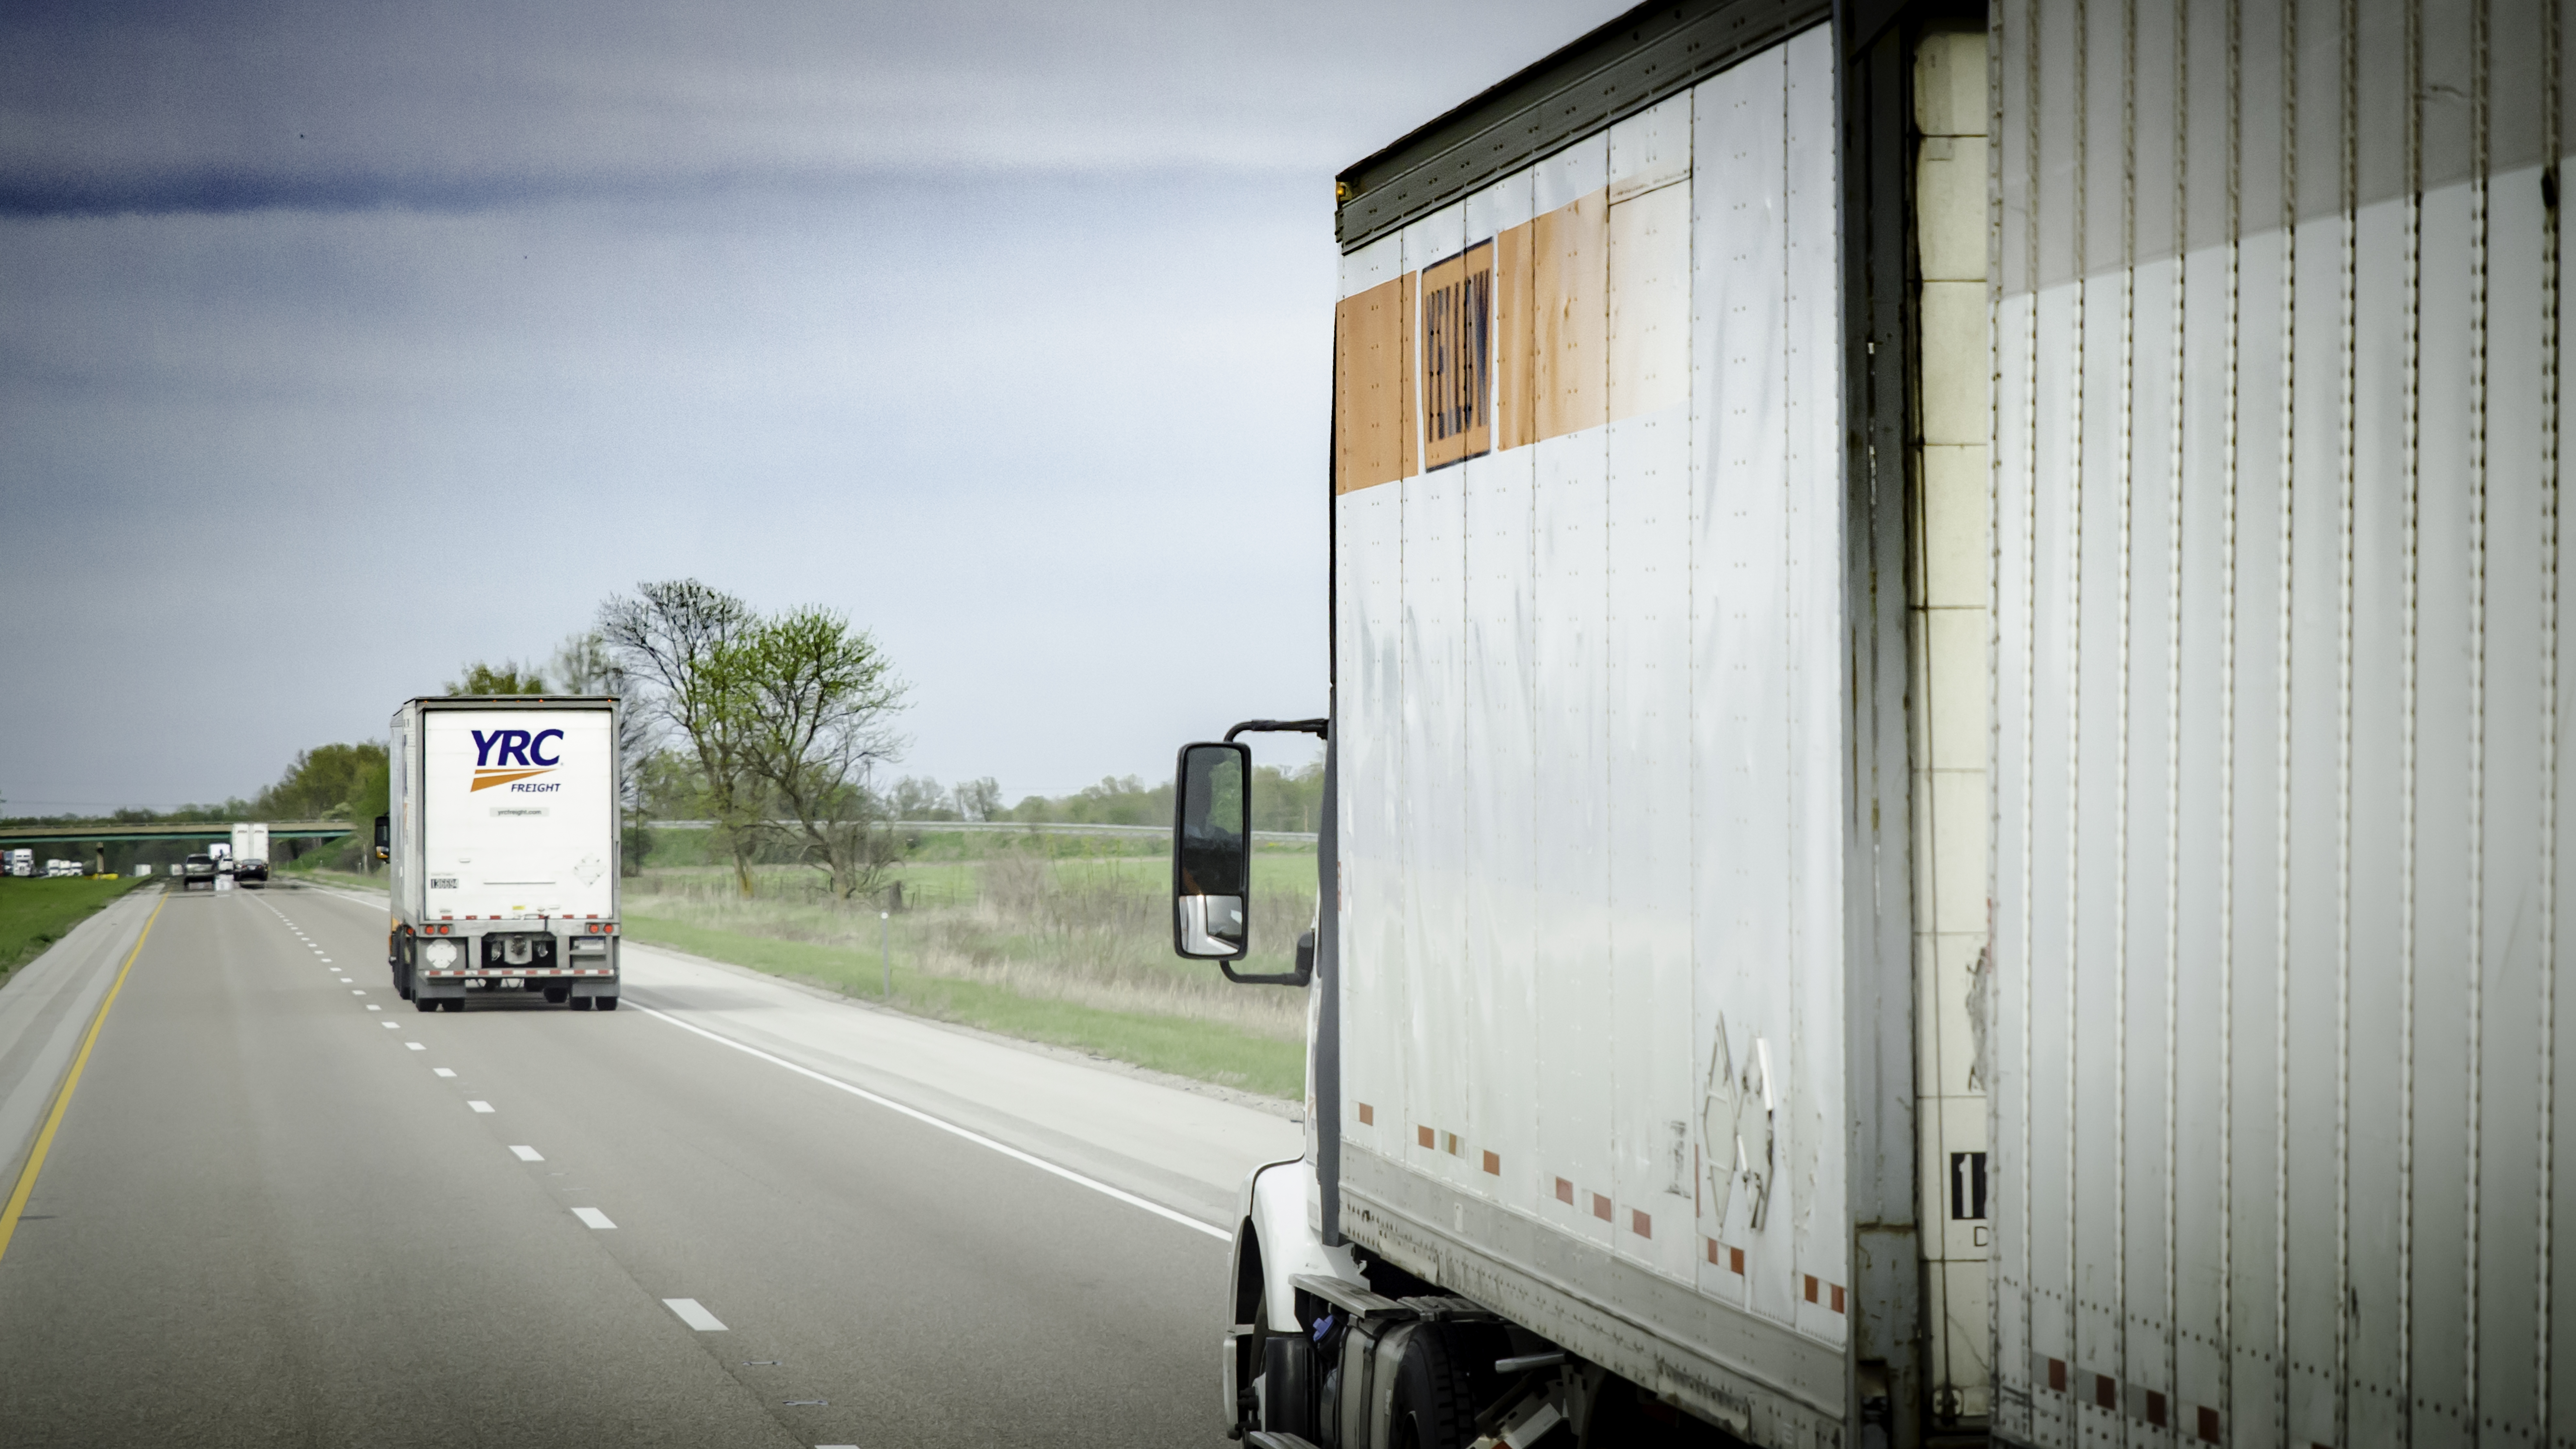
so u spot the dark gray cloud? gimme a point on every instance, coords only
(471, 106)
(1003, 330)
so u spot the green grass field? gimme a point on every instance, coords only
(35, 913)
(1206, 1050)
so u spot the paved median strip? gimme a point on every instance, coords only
(594, 1218)
(966, 1133)
(695, 1315)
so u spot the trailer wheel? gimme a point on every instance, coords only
(581, 1003)
(425, 1003)
(1434, 1405)
(456, 1003)
(606, 1003)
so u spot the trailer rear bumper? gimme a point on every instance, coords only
(587, 981)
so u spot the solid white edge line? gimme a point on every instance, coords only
(695, 1314)
(968, 1133)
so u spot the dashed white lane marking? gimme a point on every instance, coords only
(695, 1315)
(371, 1006)
(415, 1046)
(326, 958)
(594, 1218)
(480, 1106)
(444, 1071)
(359, 992)
(529, 1154)
(393, 1026)
(978, 1138)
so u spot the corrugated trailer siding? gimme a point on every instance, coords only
(2275, 499)
(1591, 761)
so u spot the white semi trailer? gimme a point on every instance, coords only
(250, 853)
(503, 846)
(1943, 772)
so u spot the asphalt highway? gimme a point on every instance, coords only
(281, 1207)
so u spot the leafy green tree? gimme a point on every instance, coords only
(810, 703)
(321, 784)
(979, 799)
(507, 677)
(918, 797)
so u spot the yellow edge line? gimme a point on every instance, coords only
(54, 1119)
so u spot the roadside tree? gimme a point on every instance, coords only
(811, 703)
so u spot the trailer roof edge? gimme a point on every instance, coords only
(1612, 72)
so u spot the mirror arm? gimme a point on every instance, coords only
(1302, 976)
(1316, 727)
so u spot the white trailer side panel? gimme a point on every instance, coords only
(2278, 728)
(519, 813)
(1591, 772)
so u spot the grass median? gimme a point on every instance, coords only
(36, 912)
(1205, 1050)
(1074, 952)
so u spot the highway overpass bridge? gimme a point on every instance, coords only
(98, 833)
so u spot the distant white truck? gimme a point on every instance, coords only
(250, 854)
(503, 845)
(22, 862)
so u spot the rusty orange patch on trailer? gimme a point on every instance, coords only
(1601, 1207)
(1368, 1115)
(1493, 1164)
(1565, 1192)
(1423, 1135)
(1640, 1224)
(1373, 407)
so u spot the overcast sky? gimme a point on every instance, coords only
(343, 344)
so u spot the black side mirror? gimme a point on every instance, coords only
(1212, 853)
(384, 836)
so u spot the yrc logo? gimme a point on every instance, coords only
(504, 756)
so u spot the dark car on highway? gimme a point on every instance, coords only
(197, 868)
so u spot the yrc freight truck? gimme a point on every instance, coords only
(1944, 773)
(503, 847)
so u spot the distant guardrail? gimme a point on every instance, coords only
(1028, 827)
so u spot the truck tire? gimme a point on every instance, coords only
(606, 1003)
(455, 1003)
(581, 1003)
(425, 1003)
(1433, 1406)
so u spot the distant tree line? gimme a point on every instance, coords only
(778, 729)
